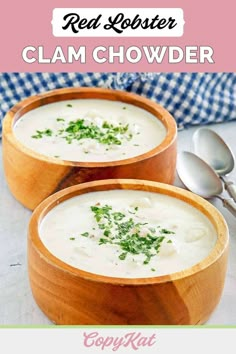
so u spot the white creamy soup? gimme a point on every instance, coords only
(127, 234)
(89, 130)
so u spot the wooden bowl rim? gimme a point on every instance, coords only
(201, 204)
(130, 98)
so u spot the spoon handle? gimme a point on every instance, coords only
(230, 205)
(230, 187)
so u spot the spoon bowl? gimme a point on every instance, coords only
(201, 179)
(198, 176)
(212, 148)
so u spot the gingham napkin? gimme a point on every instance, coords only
(192, 98)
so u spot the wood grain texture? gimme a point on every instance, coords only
(71, 296)
(32, 177)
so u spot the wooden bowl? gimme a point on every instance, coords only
(70, 296)
(32, 177)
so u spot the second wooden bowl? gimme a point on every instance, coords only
(70, 296)
(32, 177)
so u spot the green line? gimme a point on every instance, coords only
(117, 326)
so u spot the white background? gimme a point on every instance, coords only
(70, 340)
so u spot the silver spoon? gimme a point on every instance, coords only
(201, 179)
(212, 148)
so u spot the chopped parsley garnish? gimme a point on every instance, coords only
(85, 234)
(127, 233)
(40, 133)
(123, 255)
(102, 241)
(72, 238)
(69, 105)
(167, 232)
(107, 134)
(118, 216)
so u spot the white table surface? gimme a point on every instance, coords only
(17, 306)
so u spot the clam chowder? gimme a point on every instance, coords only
(127, 233)
(89, 130)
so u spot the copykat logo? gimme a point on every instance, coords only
(131, 340)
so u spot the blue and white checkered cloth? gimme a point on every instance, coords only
(192, 98)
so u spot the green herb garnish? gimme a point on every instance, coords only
(123, 255)
(167, 232)
(125, 232)
(118, 216)
(108, 134)
(85, 234)
(41, 133)
(102, 241)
